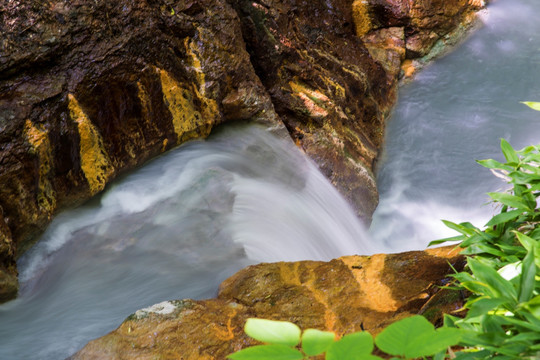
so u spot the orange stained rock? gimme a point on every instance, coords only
(313, 99)
(368, 272)
(95, 162)
(290, 275)
(342, 295)
(362, 20)
(408, 68)
(41, 146)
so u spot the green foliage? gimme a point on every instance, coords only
(502, 274)
(416, 337)
(274, 332)
(408, 338)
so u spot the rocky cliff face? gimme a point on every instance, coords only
(89, 89)
(344, 295)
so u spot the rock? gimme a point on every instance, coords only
(332, 69)
(90, 89)
(344, 295)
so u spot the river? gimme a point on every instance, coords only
(180, 225)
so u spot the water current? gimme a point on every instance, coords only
(454, 113)
(183, 223)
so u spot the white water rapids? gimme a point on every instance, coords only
(180, 225)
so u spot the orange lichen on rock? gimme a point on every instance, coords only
(343, 295)
(41, 146)
(368, 273)
(189, 121)
(95, 162)
(362, 20)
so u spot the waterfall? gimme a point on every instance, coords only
(175, 229)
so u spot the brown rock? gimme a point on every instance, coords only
(344, 295)
(90, 89)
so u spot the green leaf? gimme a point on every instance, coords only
(497, 284)
(482, 306)
(528, 273)
(267, 352)
(532, 104)
(273, 332)
(529, 244)
(465, 228)
(395, 338)
(441, 241)
(493, 164)
(509, 152)
(315, 342)
(433, 342)
(504, 217)
(355, 346)
(510, 200)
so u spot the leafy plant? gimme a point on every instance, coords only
(503, 277)
(408, 338)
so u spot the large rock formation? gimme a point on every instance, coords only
(89, 89)
(344, 295)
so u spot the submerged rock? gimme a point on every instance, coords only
(344, 295)
(91, 89)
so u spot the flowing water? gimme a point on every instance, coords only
(174, 229)
(180, 225)
(454, 113)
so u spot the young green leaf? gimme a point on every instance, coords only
(482, 306)
(499, 287)
(532, 104)
(273, 332)
(504, 217)
(315, 342)
(528, 274)
(267, 352)
(510, 200)
(355, 346)
(493, 164)
(509, 152)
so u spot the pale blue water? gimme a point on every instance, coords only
(454, 113)
(174, 229)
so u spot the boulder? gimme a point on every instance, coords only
(344, 295)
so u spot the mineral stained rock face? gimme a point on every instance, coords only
(343, 295)
(89, 89)
(332, 68)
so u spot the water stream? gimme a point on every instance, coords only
(181, 224)
(174, 229)
(454, 113)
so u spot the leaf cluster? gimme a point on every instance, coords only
(502, 273)
(409, 338)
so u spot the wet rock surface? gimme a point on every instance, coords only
(90, 89)
(344, 295)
